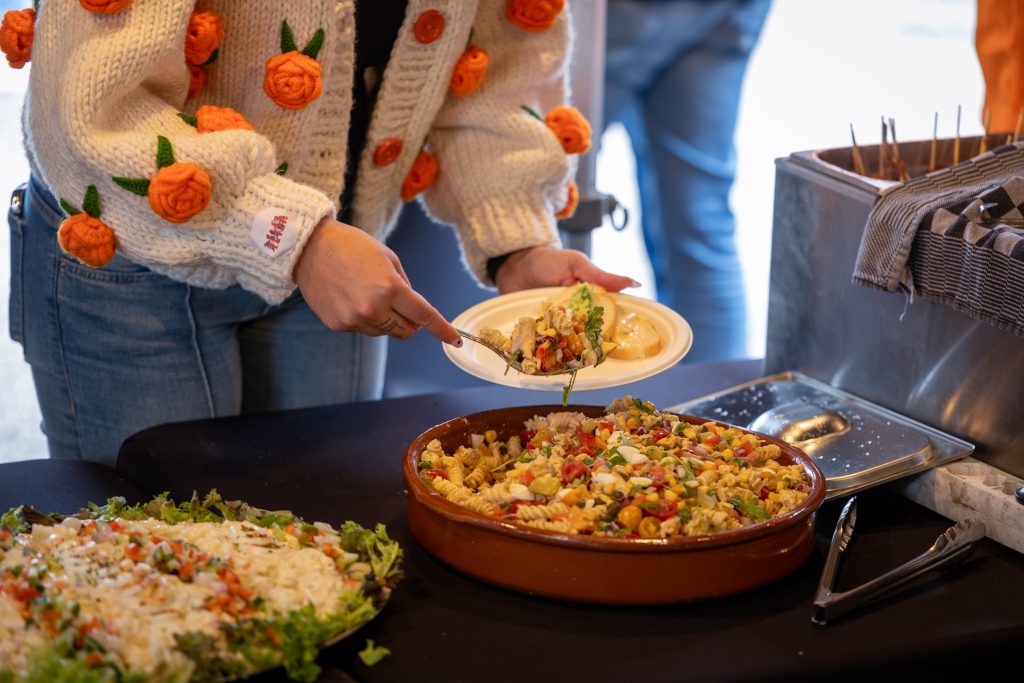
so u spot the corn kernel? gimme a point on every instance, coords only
(604, 433)
(608, 489)
(653, 497)
(707, 465)
(671, 480)
(727, 454)
(671, 495)
(780, 485)
(491, 436)
(649, 406)
(631, 423)
(689, 433)
(629, 469)
(633, 410)
(649, 528)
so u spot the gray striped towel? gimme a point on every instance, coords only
(955, 236)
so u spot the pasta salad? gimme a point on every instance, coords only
(207, 590)
(634, 473)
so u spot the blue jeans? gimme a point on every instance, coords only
(673, 77)
(121, 348)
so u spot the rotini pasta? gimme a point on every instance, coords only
(633, 473)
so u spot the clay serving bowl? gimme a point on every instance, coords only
(600, 569)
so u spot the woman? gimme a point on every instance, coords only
(191, 159)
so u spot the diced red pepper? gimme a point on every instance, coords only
(573, 470)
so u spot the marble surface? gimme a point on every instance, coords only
(971, 488)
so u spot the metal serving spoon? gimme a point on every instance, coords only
(515, 365)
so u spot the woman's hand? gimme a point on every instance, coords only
(356, 284)
(551, 267)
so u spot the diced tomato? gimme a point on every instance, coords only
(434, 473)
(597, 464)
(185, 569)
(606, 425)
(176, 546)
(26, 593)
(135, 552)
(658, 434)
(116, 527)
(527, 477)
(562, 343)
(93, 659)
(5, 534)
(657, 473)
(662, 510)
(588, 451)
(587, 439)
(712, 440)
(573, 470)
(90, 626)
(527, 436)
(745, 449)
(763, 493)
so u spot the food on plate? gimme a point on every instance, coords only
(201, 591)
(635, 338)
(633, 473)
(566, 336)
(584, 297)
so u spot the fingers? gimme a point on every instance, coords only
(394, 325)
(410, 304)
(586, 271)
(393, 257)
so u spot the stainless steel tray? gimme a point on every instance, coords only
(856, 444)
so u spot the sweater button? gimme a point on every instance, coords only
(387, 152)
(429, 26)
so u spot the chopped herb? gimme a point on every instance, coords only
(372, 654)
(426, 465)
(750, 509)
(513, 358)
(684, 514)
(588, 461)
(616, 460)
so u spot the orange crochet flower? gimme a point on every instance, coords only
(88, 239)
(292, 80)
(16, 34)
(210, 119)
(470, 71)
(180, 191)
(105, 6)
(534, 15)
(205, 31)
(571, 202)
(197, 79)
(421, 176)
(572, 129)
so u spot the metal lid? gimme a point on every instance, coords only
(856, 443)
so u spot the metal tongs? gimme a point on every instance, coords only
(950, 548)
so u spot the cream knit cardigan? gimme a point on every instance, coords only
(103, 87)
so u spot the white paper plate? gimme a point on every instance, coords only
(502, 312)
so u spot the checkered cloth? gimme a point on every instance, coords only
(955, 236)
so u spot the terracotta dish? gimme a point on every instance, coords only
(600, 569)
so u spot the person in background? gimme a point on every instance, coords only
(999, 42)
(177, 254)
(674, 69)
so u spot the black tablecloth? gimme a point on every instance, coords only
(343, 462)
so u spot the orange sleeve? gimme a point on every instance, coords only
(999, 42)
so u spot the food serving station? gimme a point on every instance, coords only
(344, 462)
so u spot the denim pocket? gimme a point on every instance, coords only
(16, 304)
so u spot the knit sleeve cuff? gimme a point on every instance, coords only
(503, 225)
(266, 230)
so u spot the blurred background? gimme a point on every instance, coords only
(820, 66)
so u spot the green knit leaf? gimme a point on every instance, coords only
(469, 41)
(532, 113)
(139, 186)
(164, 152)
(312, 48)
(35, 6)
(91, 205)
(287, 38)
(189, 119)
(212, 59)
(282, 169)
(68, 209)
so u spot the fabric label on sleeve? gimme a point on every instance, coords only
(274, 231)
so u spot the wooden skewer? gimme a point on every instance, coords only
(1016, 131)
(881, 151)
(858, 161)
(956, 140)
(897, 161)
(983, 143)
(935, 143)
